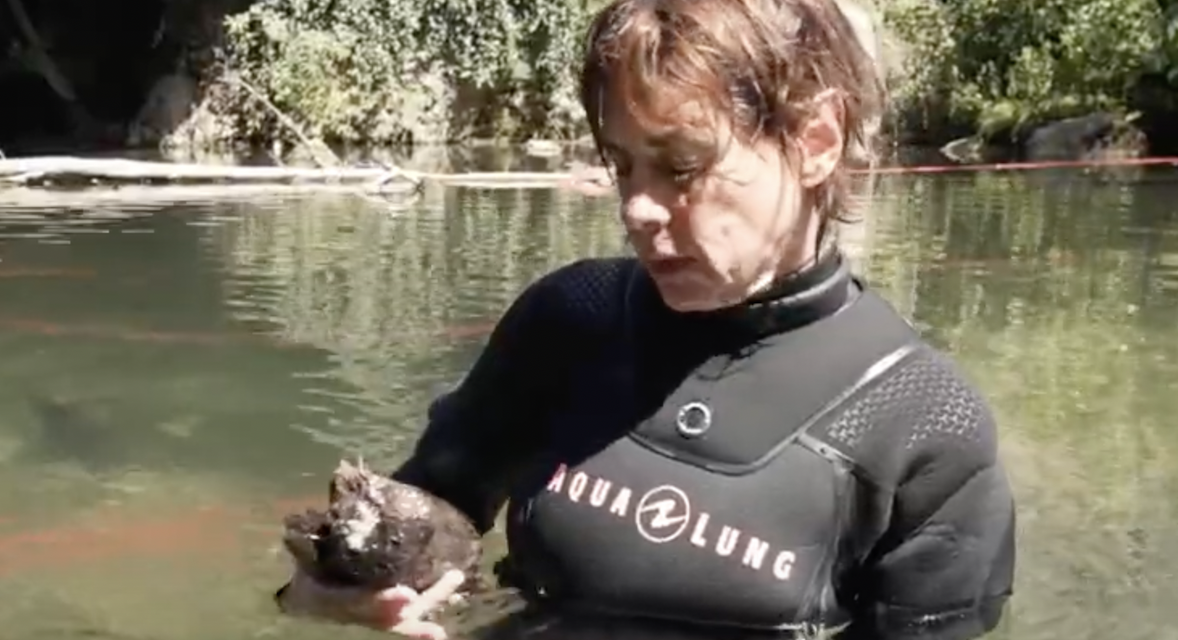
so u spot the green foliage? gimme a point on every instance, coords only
(1166, 59)
(993, 65)
(391, 71)
(395, 71)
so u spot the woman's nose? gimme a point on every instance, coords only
(642, 212)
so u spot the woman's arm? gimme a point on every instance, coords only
(944, 568)
(483, 434)
(478, 435)
(950, 578)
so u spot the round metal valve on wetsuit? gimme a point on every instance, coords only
(693, 419)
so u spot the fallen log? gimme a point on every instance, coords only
(59, 169)
(132, 198)
(67, 169)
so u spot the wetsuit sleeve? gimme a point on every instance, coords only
(943, 570)
(480, 435)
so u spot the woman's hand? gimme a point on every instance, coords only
(399, 610)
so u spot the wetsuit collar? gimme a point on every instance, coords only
(815, 292)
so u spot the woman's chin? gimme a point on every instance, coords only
(687, 295)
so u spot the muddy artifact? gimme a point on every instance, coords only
(377, 533)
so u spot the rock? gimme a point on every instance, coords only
(1093, 137)
(378, 533)
(1090, 137)
(167, 108)
(964, 150)
(72, 431)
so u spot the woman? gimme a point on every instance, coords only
(727, 431)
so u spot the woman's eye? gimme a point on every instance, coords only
(681, 172)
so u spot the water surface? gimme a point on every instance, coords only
(173, 376)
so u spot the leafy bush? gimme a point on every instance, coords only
(994, 65)
(396, 71)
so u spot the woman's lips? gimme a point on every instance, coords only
(667, 266)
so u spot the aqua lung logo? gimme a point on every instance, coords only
(665, 515)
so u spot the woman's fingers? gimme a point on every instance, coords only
(391, 607)
(440, 593)
(399, 609)
(405, 609)
(398, 594)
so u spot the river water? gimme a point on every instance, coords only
(174, 375)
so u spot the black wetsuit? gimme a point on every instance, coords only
(800, 462)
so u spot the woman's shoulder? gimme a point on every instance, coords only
(951, 404)
(926, 412)
(589, 292)
(589, 280)
(924, 395)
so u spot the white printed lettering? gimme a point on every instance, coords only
(600, 492)
(783, 565)
(621, 503)
(754, 553)
(664, 513)
(727, 541)
(577, 486)
(556, 483)
(697, 534)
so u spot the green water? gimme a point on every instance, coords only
(173, 376)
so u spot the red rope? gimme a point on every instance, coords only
(1024, 166)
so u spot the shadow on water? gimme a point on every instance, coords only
(174, 377)
(69, 431)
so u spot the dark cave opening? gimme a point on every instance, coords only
(109, 53)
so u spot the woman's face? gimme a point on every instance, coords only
(712, 238)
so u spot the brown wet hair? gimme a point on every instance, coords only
(758, 63)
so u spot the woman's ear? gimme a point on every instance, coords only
(820, 138)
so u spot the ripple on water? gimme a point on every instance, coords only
(355, 284)
(55, 225)
(1164, 271)
(1026, 280)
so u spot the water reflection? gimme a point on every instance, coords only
(171, 371)
(396, 299)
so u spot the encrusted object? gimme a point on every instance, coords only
(377, 533)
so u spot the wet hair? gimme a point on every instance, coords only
(759, 63)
